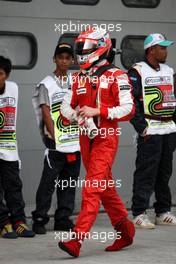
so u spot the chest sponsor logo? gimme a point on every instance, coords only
(58, 97)
(158, 80)
(7, 101)
(81, 90)
(104, 85)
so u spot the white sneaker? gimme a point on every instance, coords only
(166, 219)
(142, 221)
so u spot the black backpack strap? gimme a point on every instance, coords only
(102, 69)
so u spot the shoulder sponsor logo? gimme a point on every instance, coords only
(133, 78)
(158, 80)
(122, 77)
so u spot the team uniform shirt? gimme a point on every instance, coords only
(154, 99)
(51, 92)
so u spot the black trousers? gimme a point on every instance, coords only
(11, 198)
(153, 171)
(57, 169)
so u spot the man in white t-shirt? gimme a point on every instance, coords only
(12, 215)
(62, 156)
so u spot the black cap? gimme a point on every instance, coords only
(63, 47)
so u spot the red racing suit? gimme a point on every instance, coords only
(112, 94)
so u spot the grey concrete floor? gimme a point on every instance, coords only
(150, 246)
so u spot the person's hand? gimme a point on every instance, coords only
(77, 110)
(87, 111)
(144, 135)
(74, 117)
